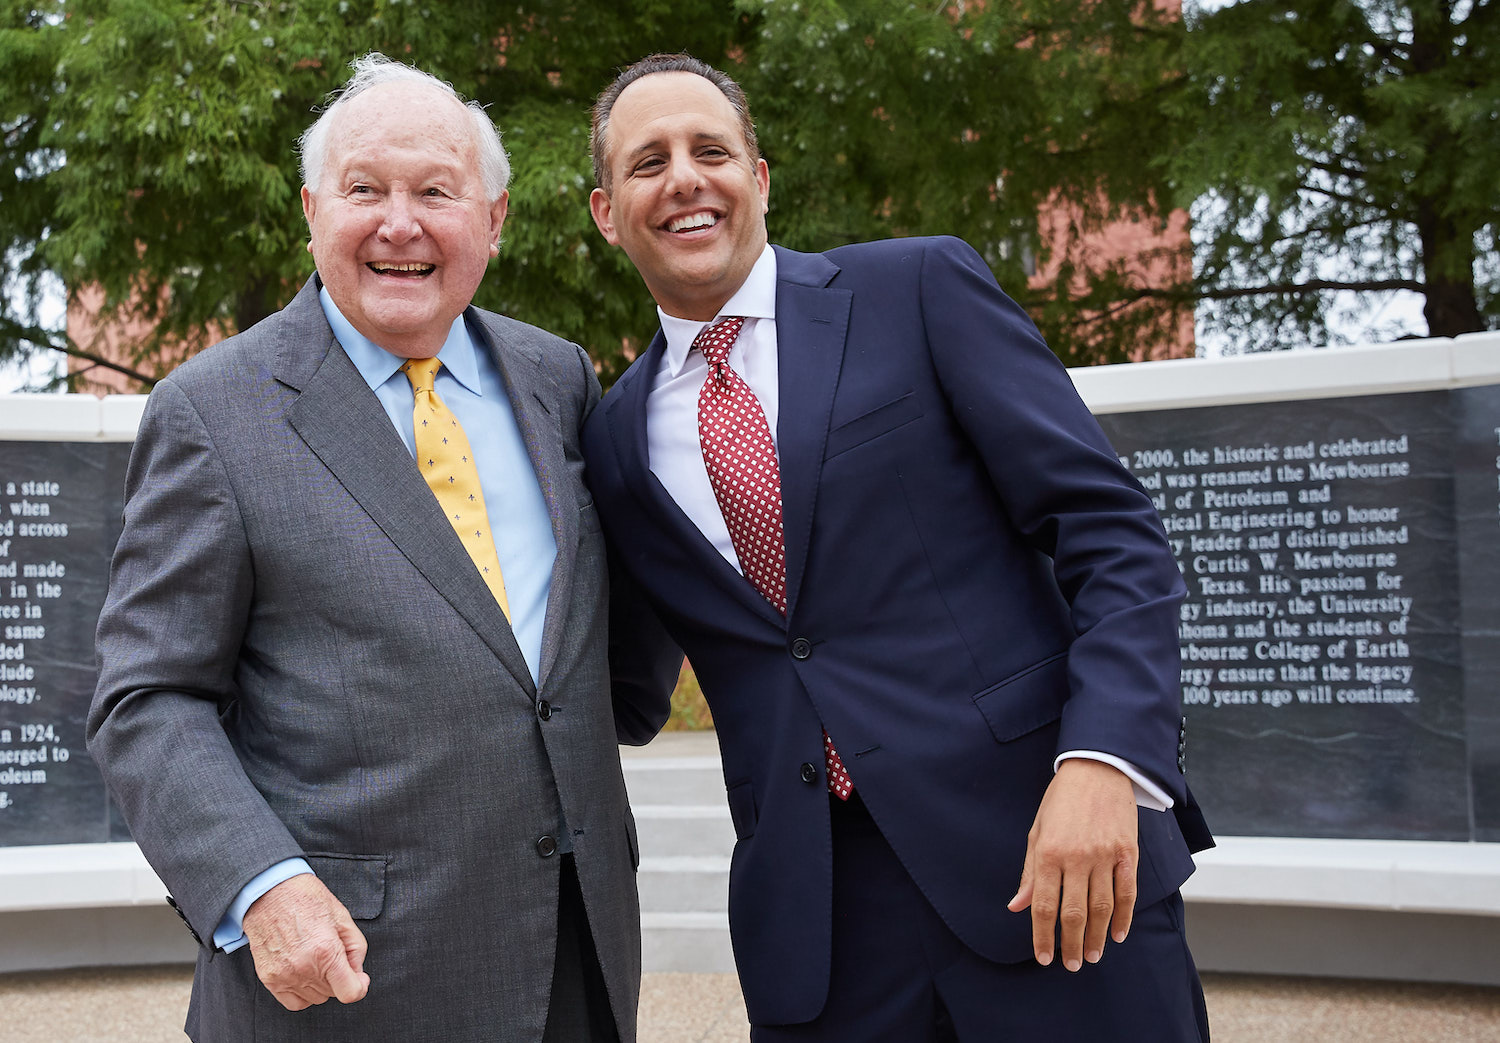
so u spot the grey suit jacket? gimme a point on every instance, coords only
(298, 658)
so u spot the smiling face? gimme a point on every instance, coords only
(687, 201)
(401, 229)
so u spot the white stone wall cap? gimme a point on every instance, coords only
(1397, 875)
(49, 418)
(121, 417)
(1476, 358)
(71, 876)
(1278, 376)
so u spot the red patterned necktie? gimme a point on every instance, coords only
(746, 479)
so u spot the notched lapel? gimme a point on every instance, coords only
(625, 410)
(534, 399)
(812, 328)
(343, 423)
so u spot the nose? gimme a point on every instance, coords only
(400, 223)
(683, 175)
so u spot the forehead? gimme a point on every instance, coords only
(664, 104)
(401, 118)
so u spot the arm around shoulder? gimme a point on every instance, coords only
(643, 662)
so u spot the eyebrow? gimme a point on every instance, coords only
(655, 144)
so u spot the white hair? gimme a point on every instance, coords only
(374, 70)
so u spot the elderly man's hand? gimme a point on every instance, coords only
(1080, 873)
(305, 944)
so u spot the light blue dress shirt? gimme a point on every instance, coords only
(470, 385)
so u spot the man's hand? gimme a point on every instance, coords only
(1079, 874)
(305, 945)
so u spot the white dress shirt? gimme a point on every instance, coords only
(672, 446)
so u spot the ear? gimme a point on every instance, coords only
(309, 208)
(599, 206)
(497, 221)
(763, 179)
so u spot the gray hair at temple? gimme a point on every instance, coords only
(375, 70)
(645, 67)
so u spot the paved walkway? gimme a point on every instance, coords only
(147, 1004)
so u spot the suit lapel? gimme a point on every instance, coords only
(343, 423)
(533, 400)
(625, 410)
(812, 327)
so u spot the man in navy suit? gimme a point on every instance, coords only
(934, 617)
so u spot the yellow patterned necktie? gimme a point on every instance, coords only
(446, 461)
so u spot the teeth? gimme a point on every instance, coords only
(401, 267)
(683, 224)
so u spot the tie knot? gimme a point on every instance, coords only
(421, 372)
(716, 340)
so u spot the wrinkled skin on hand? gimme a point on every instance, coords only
(306, 947)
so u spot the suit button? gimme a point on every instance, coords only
(183, 917)
(546, 846)
(801, 648)
(809, 773)
(544, 710)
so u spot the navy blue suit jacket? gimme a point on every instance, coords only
(975, 583)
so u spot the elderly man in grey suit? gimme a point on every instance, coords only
(352, 698)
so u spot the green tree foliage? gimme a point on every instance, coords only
(148, 148)
(1341, 145)
(978, 120)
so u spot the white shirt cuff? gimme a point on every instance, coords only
(1147, 793)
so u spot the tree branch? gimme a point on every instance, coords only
(1224, 293)
(15, 332)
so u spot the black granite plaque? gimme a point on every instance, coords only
(59, 505)
(1477, 482)
(1321, 660)
(1340, 639)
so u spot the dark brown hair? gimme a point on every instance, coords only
(663, 63)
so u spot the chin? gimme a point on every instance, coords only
(697, 276)
(405, 319)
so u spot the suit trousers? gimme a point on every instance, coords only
(900, 975)
(578, 1011)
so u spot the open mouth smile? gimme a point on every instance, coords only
(411, 270)
(693, 222)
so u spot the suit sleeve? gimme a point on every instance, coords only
(644, 662)
(590, 383)
(169, 635)
(1064, 489)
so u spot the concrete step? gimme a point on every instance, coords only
(684, 884)
(674, 780)
(676, 789)
(686, 942)
(693, 830)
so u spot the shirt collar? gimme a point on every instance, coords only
(755, 299)
(376, 365)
